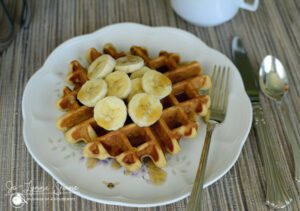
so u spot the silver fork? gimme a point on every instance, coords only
(219, 100)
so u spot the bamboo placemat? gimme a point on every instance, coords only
(273, 29)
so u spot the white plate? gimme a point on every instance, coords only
(63, 161)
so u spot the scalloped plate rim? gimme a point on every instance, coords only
(40, 71)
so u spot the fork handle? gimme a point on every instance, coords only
(195, 202)
(277, 195)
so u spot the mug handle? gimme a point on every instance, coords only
(249, 6)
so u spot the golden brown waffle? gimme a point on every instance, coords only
(130, 144)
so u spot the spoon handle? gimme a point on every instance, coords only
(277, 195)
(291, 135)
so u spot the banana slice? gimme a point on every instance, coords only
(92, 91)
(110, 113)
(156, 83)
(136, 87)
(119, 84)
(139, 73)
(129, 63)
(144, 109)
(101, 66)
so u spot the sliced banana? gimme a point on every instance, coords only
(144, 109)
(156, 83)
(101, 66)
(92, 91)
(129, 63)
(110, 113)
(136, 87)
(139, 73)
(119, 84)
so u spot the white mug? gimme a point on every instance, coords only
(210, 12)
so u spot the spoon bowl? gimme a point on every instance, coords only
(273, 80)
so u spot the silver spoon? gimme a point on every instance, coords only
(273, 82)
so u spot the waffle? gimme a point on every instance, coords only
(131, 143)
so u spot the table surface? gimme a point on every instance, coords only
(273, 29)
